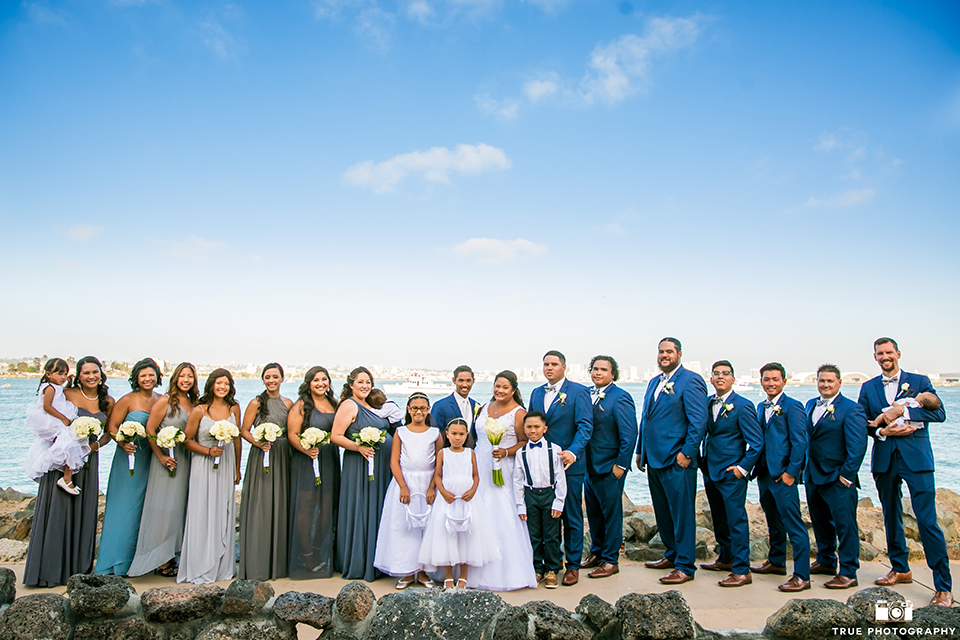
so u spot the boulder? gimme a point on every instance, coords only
(868, 552)
(916, 551)
(178, 604)
(655, 616)
(36, 617)
(627, 504)
(642, 525)
(249, 629)
(245, 598)
(432, 613)
(759, 550)
(878, 538)
(354, 602)
(812, 619)
(935, 617)
(657, 543)
(306, 608)
(948, 514)
(547, 620)
(335, 634)
(599, 616)
(953, 551)
(864, 602)
(97, 596)
(132, 628)
(12, 551)
(641, 552)
(8, 584)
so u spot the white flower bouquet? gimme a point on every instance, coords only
(314, 437)
(86, 426)
(370, 437)
(167, 438)
(223, 431)
(266, 432)
(128, 432)
(495, 430)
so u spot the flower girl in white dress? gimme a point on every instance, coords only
(413, 461)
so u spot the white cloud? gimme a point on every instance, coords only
(542, 88)
(421, 11)
(374, 26)
(492, 251)
(218, 39)
(504, 109)
(433, 165)
(549, 6)
(192, 248)
(827, 142)
(82, 232)
(847, 199)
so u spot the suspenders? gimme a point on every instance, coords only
(526, 466)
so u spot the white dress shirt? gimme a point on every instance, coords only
(891, 389)
(717, 407)
(664, 379)
(539, 473)
(549, 396)
(768, 411)
(465, 411)
(595, 393)
(819, 410)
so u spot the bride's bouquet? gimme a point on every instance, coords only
(370, 437)
(495, 430)
(223, 431)
(167, 438)
(128, 432)
(84, 427)
(314, 437)
(269, 432)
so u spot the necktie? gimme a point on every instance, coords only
(887, 381)
(534, 445)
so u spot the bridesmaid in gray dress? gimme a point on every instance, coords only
(165, 503)
(208, 537)
(313, 507)
(265, 506)
(361, 499)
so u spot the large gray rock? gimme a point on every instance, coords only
(641, 552)
(132, 628)
(599, 616)
(656, 543)
(249, 629)
(97, 596)
(432, 613)
(655, 616)
(36, 617)
(936, 618)
(307, 608)
(245, 598)
(868, 552)
(643, 526)
(354, 602)
(864, 602)
(812, 619)
(178, 604)
(8, 586)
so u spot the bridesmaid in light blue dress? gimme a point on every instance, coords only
(125, 492)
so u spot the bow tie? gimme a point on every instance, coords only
(594, 391)
(717, 400)
(534, 445)
(893, 380)
(821, 402)
(549, 388)
(767, 404)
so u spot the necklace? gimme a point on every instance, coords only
(86, 396)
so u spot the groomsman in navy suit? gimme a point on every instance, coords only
(730, 450)
(837, 428)
(458, 404)
(672, 425)
(569, 425)
(904, 453)
(778, 473)
(608, 460)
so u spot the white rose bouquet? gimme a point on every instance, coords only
(223, 431)
(370, 437)
(128, 432)
(167, 438)
(84, 427)
(266, 432)
(314, 437)
(495, 430)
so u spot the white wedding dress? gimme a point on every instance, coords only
(513, 566)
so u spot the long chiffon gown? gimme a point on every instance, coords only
(314, 508)
(64, 532)
(265, 505)
(208, 537)
(125, 494)
(361, 501)
(164, 506)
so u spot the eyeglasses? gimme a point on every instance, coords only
(723, 373)
(419, 409)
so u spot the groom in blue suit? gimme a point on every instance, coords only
(904, 453)
(458, 404)
(672, 425)
(569, 425)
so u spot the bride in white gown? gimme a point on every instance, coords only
(514, 567)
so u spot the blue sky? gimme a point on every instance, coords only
(427, 182)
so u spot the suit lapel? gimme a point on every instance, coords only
(904, 379)
(556, 398)
(672, 378)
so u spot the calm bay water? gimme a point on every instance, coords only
(15, 438)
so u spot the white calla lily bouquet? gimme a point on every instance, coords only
(495, 431)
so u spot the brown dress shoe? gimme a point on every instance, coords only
(893, 578)
(675, 577)
(942, 598)
(550, 580)
(571, 577)
(591, 562)
(662, 563)
(795, 584)
(716, 565)
(817, 568)
(769, 567)
(840, 582)
(736, 580)
(605, 570)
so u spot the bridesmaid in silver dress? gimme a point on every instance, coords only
(165, 504)
(208, 537)
(265, 506)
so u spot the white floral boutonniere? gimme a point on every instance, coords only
(830, 410)
(905, 390)
(777, 409)
(600, 398)
(727, 408)
(668, 388)
(563, 399)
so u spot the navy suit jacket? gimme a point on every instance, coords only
(614, 431)
(915, 448)
(733, 439)
(838, 442)
(785, 439)
(446, 409)
(675, 422)
(569, 421)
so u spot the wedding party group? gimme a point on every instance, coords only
(488, 495)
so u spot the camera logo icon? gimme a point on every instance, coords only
(895, 611)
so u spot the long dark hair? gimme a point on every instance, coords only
(146, 363)
(262, 410)
(208, 395)
(417, 395)
(307, 398)
(54, 365)
(173, 389)
(347, 391)
(103, 398)
(510, 377)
